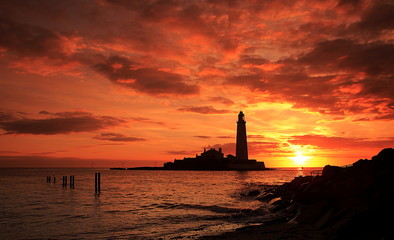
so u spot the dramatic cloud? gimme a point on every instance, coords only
(204, 110)
(58, 123)
(117, 137)
(346, 55)
(376, 19)
(27, 40)
(307, 69)
(147, 80)
(336, 77)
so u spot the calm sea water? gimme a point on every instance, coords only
(131, 205)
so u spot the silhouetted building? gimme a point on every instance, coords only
(213, 159)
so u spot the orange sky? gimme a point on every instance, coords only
(138, 83)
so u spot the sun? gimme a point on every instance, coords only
(300, 158)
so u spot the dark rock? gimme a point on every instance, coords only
(332, 172)
(345, 202)
(253, 193)
(385, 154)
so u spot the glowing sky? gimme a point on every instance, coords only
(108, 81)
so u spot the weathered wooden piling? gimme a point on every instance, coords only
(97, 179)
(64, 181)
(48, 178)
(72, 179)
(54, 179)
(99, 182)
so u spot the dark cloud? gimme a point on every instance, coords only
(26, 40)
(212, 20)
(352, 3)
(152, 81)
(253, 60)
(222, 100)
(59, 123)
(377, 18)
(204, 110)
(225, 136)
(202, 136)
(342, 54)
(117, 137)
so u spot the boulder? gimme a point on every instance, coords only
(253, 193)
(332, 172)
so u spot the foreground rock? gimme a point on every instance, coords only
(355, 202)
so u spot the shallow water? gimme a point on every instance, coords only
(131, 205)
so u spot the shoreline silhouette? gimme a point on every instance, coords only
(352, 202)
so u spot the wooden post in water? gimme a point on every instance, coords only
(54, 179)
(64, 181)
(48, 178)
(71, 181)
(97, 183)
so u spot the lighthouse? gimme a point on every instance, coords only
(241, 145)
(213, 159)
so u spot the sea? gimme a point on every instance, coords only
(132, 204)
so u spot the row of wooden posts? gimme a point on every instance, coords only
(64, 183)
(97, 181)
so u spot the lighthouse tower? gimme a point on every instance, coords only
(242, 145)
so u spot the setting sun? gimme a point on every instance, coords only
(300, 159)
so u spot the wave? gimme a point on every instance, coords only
(211, 208)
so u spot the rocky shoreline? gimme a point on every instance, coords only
(353, 202)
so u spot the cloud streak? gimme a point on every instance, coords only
(203, 110)
(117, 137)
(59, 123)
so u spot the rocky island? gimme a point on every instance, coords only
(213, 159)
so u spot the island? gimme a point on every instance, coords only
(213, 159)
